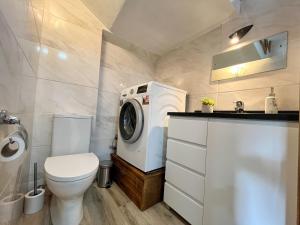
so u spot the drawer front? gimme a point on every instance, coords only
(183, 205)
(191, 156)
(189, 182)
(192, 130)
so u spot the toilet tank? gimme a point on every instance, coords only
(71, 134)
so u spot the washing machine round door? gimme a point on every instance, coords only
(131, 121)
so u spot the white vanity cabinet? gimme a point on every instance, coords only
(232, 171)
(185, 167)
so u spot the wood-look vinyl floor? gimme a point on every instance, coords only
(111, 207)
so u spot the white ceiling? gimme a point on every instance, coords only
(160, 25)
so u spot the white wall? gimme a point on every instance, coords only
(122, 65)
(188, 67)
(19, 38)
(68, 73)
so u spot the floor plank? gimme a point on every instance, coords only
(111, 207)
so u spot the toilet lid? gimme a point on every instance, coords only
(71, 167)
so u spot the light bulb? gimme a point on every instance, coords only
(235, 39)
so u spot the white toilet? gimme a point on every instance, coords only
(71, 169)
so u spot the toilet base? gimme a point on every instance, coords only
(66, 212)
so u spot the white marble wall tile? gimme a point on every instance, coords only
(101, 147)
(265, 80)
(27, 91)
(38, 154)
(32, 54)
(42, 132)
(124, 60)
(108, 103)
(27, 120)
(59, 65)
(73, 11)
(106, 127)
(17, 83)
(17, 94)
(20, 17)
(288, 98)
(56, 97)
(111, 80)
(70, 38)
(193, 102)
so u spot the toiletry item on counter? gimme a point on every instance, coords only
(271, 103)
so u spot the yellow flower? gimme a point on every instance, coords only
(208, 101)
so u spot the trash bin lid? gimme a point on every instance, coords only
(105, 163)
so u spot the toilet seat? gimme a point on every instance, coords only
(69, 168)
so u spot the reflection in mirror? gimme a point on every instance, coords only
(259, 56)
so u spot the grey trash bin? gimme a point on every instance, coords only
(104, 177)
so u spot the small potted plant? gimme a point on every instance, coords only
(208, 105)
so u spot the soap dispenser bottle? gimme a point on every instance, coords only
(271, 103)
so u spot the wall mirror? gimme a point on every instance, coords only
(259, 56)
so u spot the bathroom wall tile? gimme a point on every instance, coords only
(58, 65)
(56, 97)
(27, 121)
(111, 80)
(11, 55)
(124, 60)
(72, 11)
(30, 184)
(101, 147)
(288, 98)
(26, 98)
(17, 83)
(38, 154)
(42, 130)
(108, 103)
(115, 81)
(70, 38)
(254, 99)
(106, 127)
(31, 51)
(265, 80)
(17, 94)
(20, 17)
(194, 101)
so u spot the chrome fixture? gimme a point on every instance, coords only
(239, 34)
(239, 106)
(6, 118)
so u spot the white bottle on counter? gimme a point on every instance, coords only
(271, 103)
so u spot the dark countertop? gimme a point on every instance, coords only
(250, 115)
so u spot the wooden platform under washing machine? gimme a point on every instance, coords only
(144, 189)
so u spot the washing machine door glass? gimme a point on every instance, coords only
(131, 121)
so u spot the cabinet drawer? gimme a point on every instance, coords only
(183, 205)
(191, 130)
(189, 182)
(191, 156)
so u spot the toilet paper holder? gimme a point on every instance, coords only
(15, 141)
(6, 118)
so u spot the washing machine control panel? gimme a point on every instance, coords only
(142, 89)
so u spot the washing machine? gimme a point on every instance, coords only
(143, 123)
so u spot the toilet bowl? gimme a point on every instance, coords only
(68, 177)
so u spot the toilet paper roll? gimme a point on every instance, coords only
(34, 203)
(12, 147)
